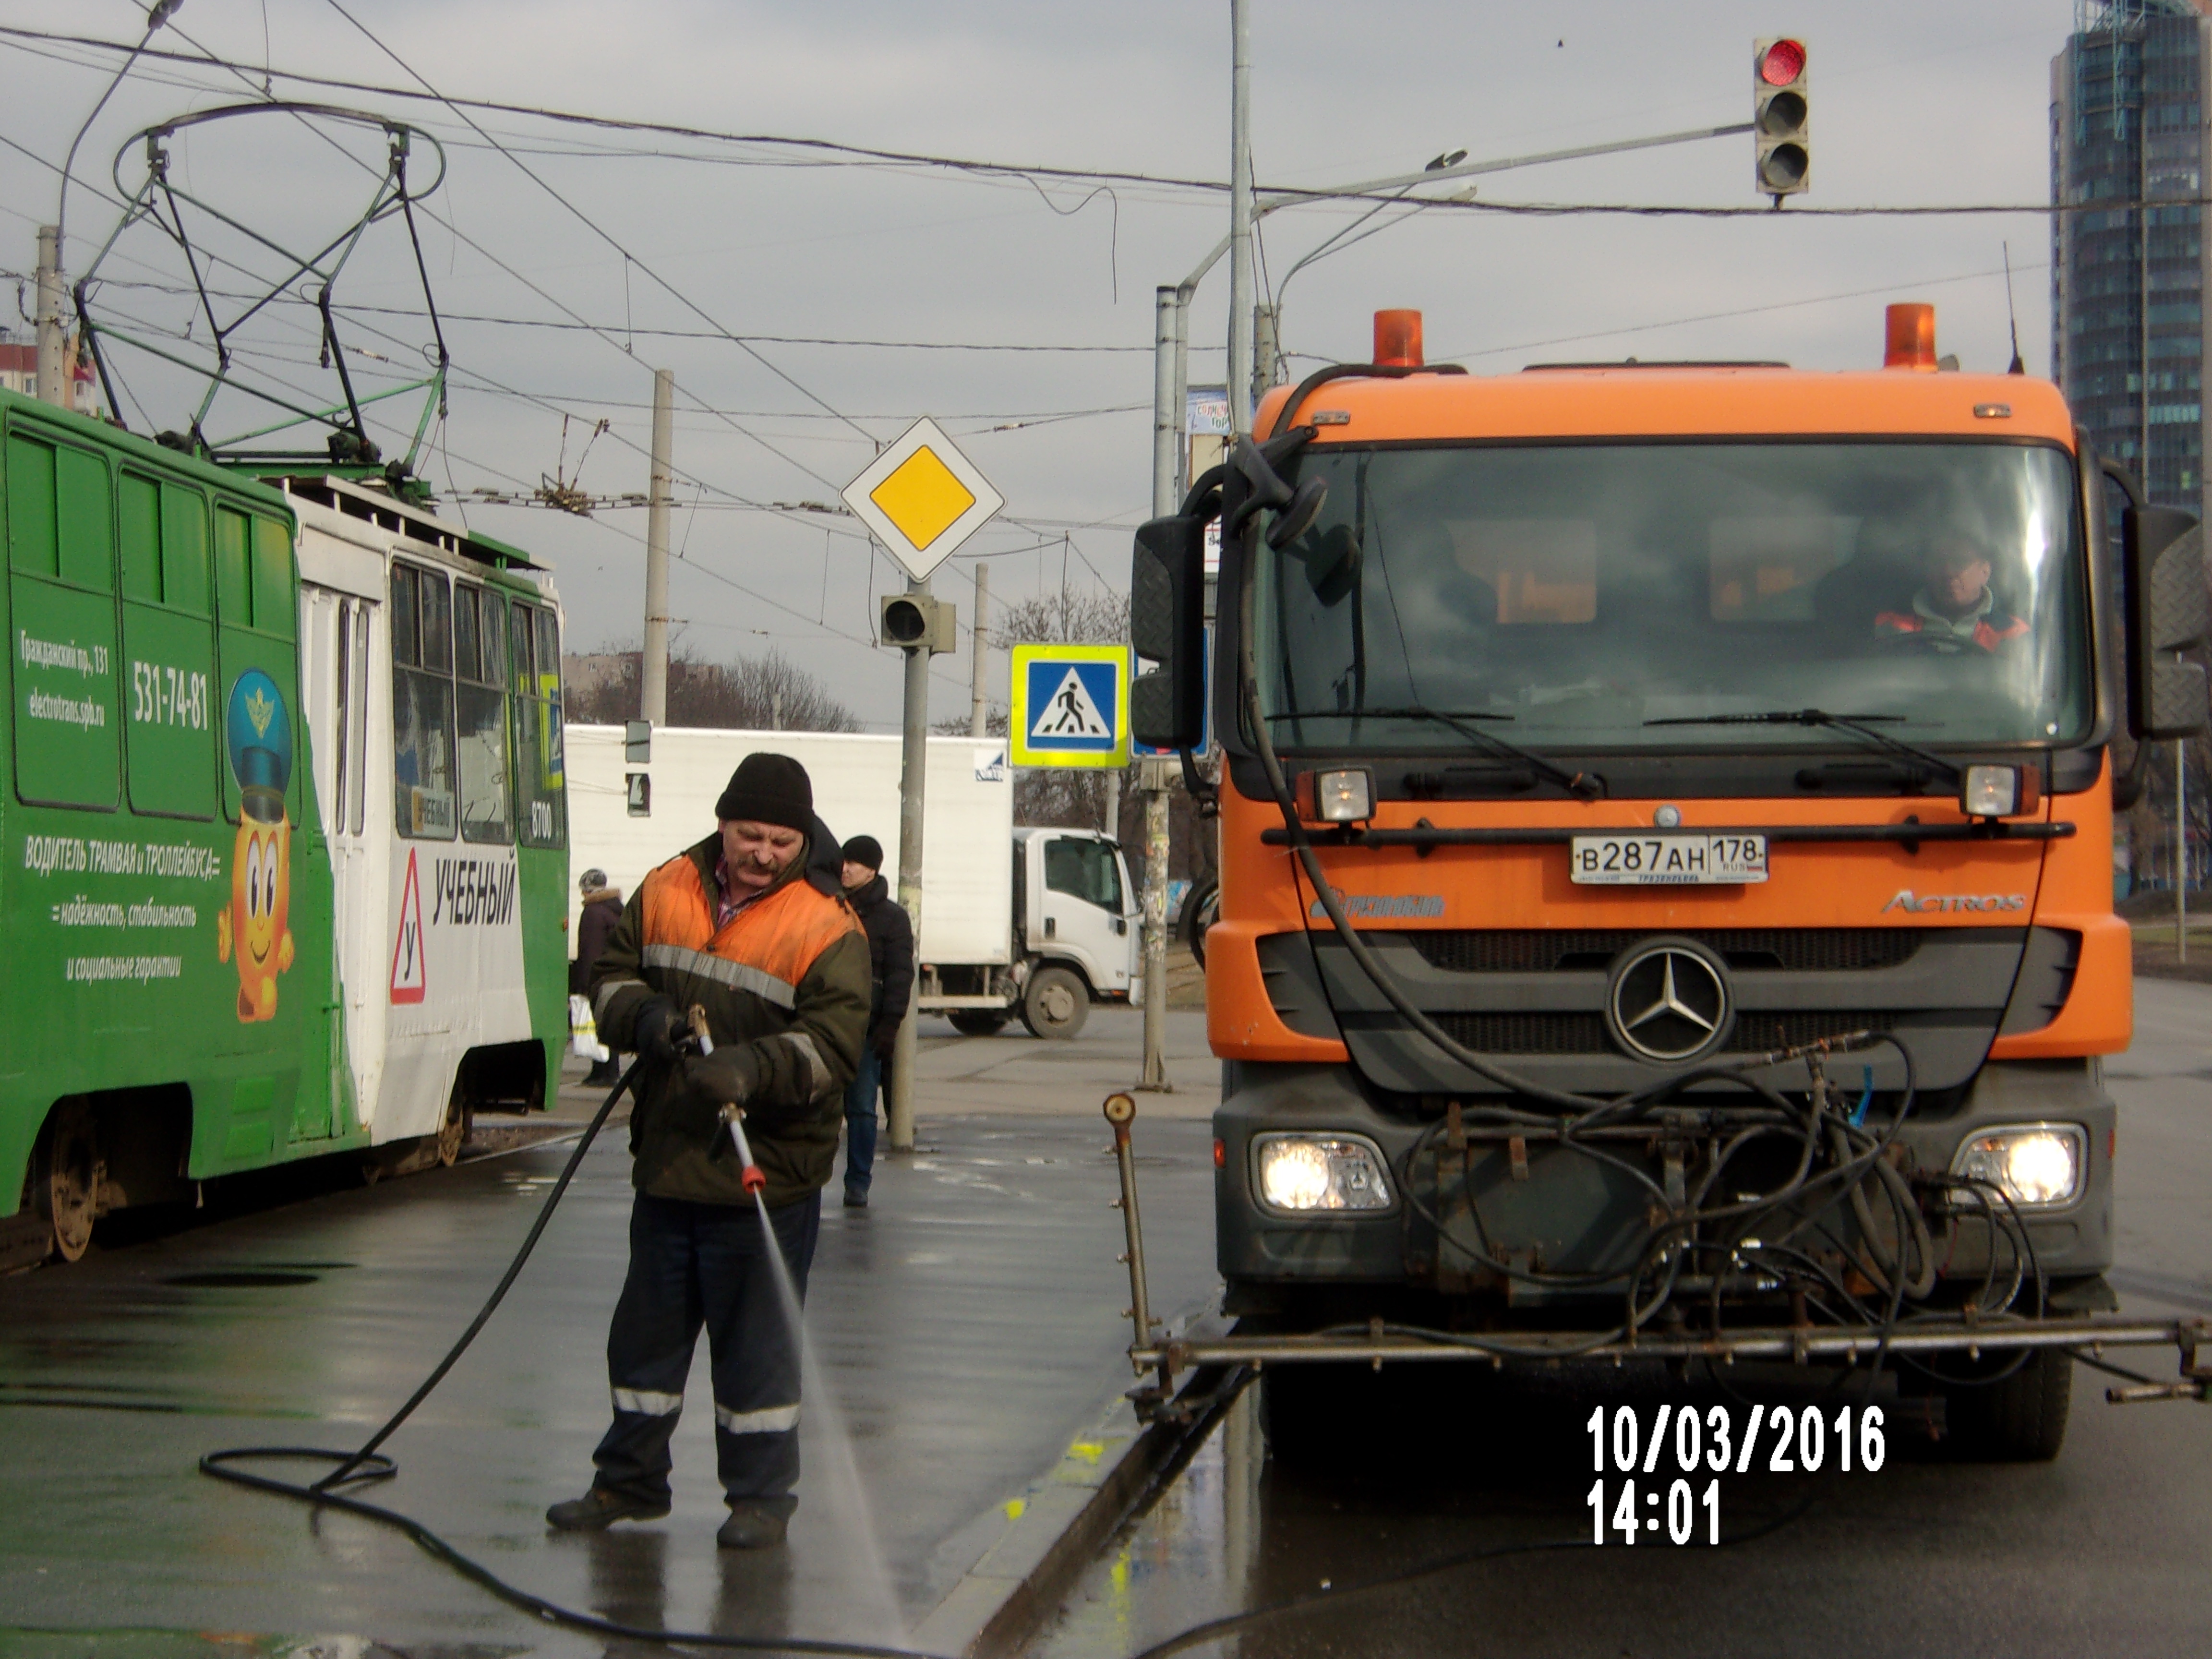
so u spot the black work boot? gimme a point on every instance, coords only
(753, 1525)
(600, 1508)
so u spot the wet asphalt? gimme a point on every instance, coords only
(966, 1327)
(2105, 1551)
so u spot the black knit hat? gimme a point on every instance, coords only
(865, 850)
(769, 789)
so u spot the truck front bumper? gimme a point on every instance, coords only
(1556, 1208)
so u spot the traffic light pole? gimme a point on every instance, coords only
(914, 761)
(660, 489)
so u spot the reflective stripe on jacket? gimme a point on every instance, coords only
(787, 979)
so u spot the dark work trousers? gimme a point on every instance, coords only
(708, 1264)
(860, 1122)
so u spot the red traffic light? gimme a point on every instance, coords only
(1784, 62)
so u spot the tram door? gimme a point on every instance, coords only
(339, 635)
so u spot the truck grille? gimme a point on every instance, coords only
(1585, 1033)
(1536, 950)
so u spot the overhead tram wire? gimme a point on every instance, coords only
(862, 154)
(593, 226)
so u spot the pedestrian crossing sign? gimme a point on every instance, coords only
(1071, 705)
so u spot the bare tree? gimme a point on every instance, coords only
(768, 693)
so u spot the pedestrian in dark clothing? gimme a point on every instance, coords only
(750, 926)
(595, 925)
(890, 964)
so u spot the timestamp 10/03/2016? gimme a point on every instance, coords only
(1793, 1442)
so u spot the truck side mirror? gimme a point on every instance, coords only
(1167, 624)
(2167, 612)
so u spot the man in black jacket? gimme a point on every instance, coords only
(890, 952)
(595, 925)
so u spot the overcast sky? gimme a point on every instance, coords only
(1915, 103)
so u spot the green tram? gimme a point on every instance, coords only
(284, 840)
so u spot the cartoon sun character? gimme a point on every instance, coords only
(258, 921)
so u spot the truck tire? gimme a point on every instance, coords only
(1201, 908)
(2022, 1420)
(1055, 1003)
(979, 1022)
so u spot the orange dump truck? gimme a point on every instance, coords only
(1666, 864)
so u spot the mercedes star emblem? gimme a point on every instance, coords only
(1669, 1002)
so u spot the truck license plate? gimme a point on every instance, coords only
(1667, 860)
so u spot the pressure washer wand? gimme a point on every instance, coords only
(752, 1178)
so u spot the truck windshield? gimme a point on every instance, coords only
(1583, 591)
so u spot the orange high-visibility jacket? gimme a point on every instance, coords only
(785, 979)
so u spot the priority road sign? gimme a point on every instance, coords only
(922, 498)
(1071, 705)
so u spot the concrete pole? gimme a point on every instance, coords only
(56, 386)
(979, 666)
(1167, 410)
(1156, 927)
(1265, 349)
(660, 489)
(1240, 218)
(913, 763)
(2180, 852)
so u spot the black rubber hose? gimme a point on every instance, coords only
(368, 1463)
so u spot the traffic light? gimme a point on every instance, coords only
(1780, 116)
(911, 620)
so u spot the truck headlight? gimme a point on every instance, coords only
(1998, 792)
(2039, 1166)
(1297, 1175)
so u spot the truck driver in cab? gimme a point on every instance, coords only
(1955, 609)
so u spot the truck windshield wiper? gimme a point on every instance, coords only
(1585, 784)
(1859, 725)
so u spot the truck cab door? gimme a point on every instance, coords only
(1083, 910)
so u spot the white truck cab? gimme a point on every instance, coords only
(1076, 914)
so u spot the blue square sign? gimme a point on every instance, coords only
(1070, 705)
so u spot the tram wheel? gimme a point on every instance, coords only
(68, 1187)
(453, 1133)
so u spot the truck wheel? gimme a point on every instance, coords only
(978, 1022)
(2022, 1420)
(1201, 908)
(1055, 1003)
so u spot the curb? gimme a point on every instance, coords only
(1052, 1532)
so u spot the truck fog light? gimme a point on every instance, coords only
(1997, 791)
(2036, 1165)
(1300, 1174)
(1346, 795)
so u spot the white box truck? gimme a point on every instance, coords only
(1038, 923)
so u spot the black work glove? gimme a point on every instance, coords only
(723, 1077)
(653, 1030)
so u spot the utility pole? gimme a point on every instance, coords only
(56, 384)
(653, 676)
(979, 664)
(1239, 220)
(913, 773)
(1265, 350)
(2180, 851)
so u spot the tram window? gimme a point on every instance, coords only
(171, 694)
(344, 755)
(421, 705)
(405, 632)
(361, 716)
(479, 653)
(542, 803)
(61, 554)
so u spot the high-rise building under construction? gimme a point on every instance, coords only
(2128, 107)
